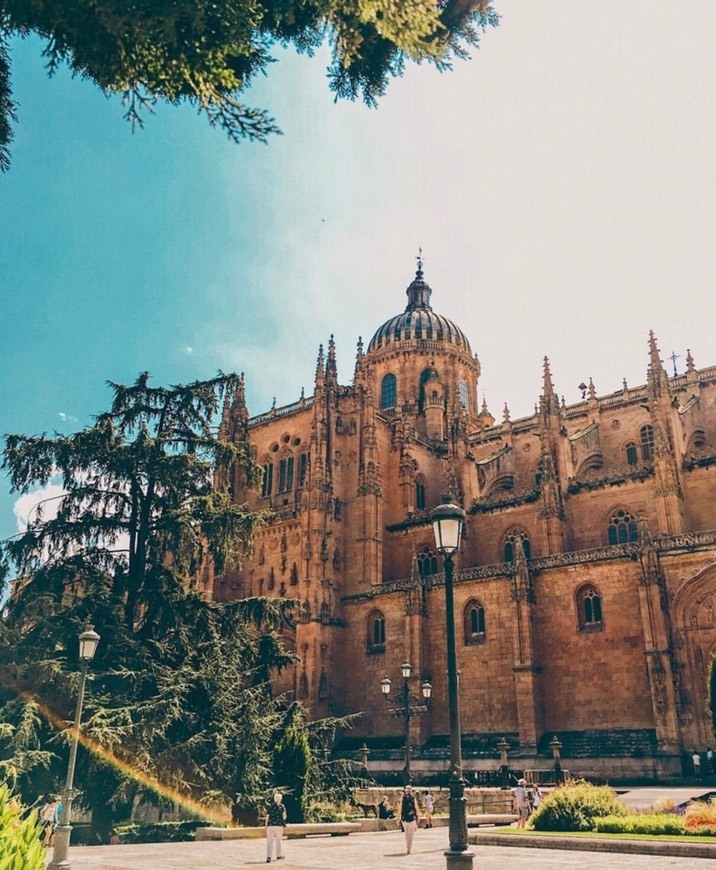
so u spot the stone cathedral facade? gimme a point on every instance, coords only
(585, 584)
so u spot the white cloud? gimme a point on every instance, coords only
(46, 499)
(188, 349)
(67, 418)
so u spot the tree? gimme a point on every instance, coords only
(179, 698)
(208, 53)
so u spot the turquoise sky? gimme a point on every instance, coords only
(561, 184)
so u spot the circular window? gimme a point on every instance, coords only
(296, 441)
(273, 448)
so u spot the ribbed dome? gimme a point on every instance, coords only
(419, 321)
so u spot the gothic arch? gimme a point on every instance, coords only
(694, 627)
(620, 525)
(507, 544)
(593, 462)
(503, 483)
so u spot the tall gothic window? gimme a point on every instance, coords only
(474, 622)
(427, 562)
(632, 457)
(419, 494)
(285, 474)
(388, 391)
(463, 393)
(302, 468)
(622, 529)
(646, 433)
(510, 542)
(589, 608)
(376, 632)
(267, 483)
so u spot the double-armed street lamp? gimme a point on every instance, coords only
(88, 646)
(406, 706)
(448, 520)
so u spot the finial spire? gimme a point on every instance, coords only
(419, 258)
(690, 367)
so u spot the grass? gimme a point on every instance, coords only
(593, 835)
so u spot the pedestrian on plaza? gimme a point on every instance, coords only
(409, 816)
(710, 761)
(536, 796)
(521, 803)
(50, 816)
(696, 761)
(274, 823)
(385, 810)
(429, 807)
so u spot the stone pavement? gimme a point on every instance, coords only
(382, 851)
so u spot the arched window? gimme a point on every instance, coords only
(511, 541)
(646, 434)
(474, 622)
(462, 386)
(303, 686)
(285, 474)
(419, 494)
(388, 391)
(323, 687)
(632, 456)
(622, 529)
(427, 562)
(376, 632)
(302, 468)
(589, 608)
(267, 483)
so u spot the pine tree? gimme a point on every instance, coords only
(208, 53)
(178, 693)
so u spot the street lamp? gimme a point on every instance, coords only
(556, 747)
(448, 520)
(406, 706)
(503, 746)
(88, 646)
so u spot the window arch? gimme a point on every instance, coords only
(419, 494)
(623, 528)
(632, 455)
(267, 482)
(285, 473)
(589, 608)
(510, 545)
(388, 391)
(427, 562)
(376, 632)
(474, 622)
(646, 435)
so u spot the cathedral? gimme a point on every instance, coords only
(585, 583)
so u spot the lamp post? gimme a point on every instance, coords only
(503, 746)
(556, 746)
(364, 753)
(88, 646)
(447, 520)
(406, 706)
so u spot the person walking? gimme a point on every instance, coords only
(521, 803)
(50, 818)
(409, 816)
(696, 761)
(275, 823)
(535, 796)
(429, 807)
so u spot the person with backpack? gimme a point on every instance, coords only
(409, 816)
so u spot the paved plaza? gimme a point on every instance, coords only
(380, 851)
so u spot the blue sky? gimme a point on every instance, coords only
(561, 184)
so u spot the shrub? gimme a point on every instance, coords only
(573, 807)
(160, 832)
(324, 812)
(20, 835)
(700, 814)
(640, 823)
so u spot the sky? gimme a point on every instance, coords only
(561, 184)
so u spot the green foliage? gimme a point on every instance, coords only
(160, 832)
(654, 824)
(574, 807)
(208, 53)
(179, 691)
(325, 812)
(20, 835)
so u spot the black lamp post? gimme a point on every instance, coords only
(448, 520)
(88, 646)
(503, 746)
(406, 706)
(556, 747)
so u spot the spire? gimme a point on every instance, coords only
(331, 371)
(547, 385)
(690, 367)
(418, 292)
(320, 368)
(506, 414)
(656, 375)
(592, 391)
